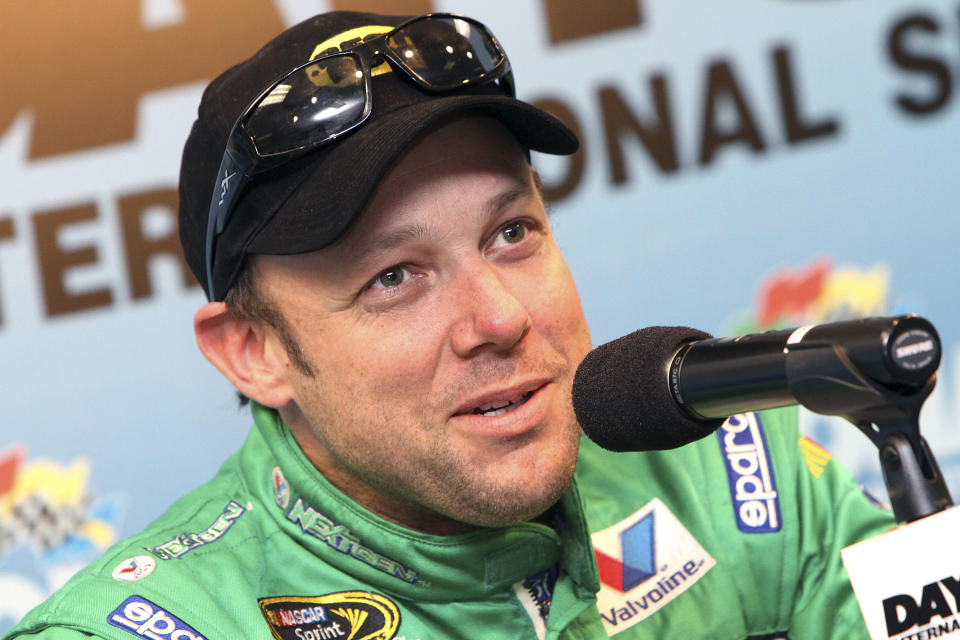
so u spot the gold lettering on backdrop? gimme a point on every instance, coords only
(654, 132)
(55, 261)
(6, 228)
(141, 246)
(724, 93)
(81, 66)
(566, 19)
(385, 7)
(797, 126)
(572, 19)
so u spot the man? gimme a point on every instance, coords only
(385, 288)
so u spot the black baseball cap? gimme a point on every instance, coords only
(310, 202)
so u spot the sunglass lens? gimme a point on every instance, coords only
(446, 52)
(309, 106)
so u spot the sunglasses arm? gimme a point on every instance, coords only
(231, 179)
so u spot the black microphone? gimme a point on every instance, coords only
(622, 399)
(663, 387)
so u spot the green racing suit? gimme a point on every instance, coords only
(735, 536)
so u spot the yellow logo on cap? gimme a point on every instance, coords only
(352, 37)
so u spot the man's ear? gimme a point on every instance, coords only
(247, 354)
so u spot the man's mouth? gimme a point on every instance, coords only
(501, 407)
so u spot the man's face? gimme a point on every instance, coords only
(444, 330)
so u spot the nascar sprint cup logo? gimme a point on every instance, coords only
(354, 615)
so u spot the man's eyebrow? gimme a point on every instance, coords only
(386, 240)
(506, 198)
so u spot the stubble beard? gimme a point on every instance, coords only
(487, 498)
(444, 483)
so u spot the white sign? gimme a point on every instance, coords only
(907, 581)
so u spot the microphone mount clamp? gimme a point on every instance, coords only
(883, 399)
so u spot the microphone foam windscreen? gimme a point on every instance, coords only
(622, 397)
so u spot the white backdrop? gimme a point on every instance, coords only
(745, 164)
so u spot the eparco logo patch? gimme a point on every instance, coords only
(753, 489)
(347, 614)
(139, 617)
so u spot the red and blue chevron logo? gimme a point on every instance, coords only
(638, 561)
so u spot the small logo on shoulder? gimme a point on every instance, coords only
(281, 489)
(135, 568)
(347, 614)
(750, 474)
(139, 617)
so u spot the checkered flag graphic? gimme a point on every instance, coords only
(34, 520)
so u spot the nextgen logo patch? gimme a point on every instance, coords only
(140, 617)
(752, 486)
(340, 538)
(644, 562)
(189, 541)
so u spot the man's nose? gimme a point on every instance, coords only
(492, 316)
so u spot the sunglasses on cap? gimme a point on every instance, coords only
(331, 95)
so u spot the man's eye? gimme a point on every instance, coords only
(513, 232)
(390, 277)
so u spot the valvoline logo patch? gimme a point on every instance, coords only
(645, 562)
(638, 564)
(753, 488)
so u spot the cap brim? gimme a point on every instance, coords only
(321, 209)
